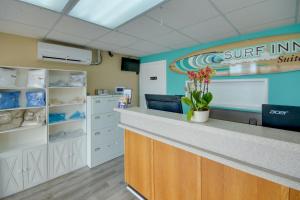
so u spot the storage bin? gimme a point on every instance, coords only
(36, 78)
(9, 100)
(35, 98)
(8, 77)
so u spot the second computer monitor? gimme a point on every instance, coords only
(169, 103)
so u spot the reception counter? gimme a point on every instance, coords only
(217, 156)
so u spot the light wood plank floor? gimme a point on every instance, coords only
(101, 183)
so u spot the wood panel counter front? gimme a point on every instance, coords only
(161, 168)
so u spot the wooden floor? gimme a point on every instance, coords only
(101, 183)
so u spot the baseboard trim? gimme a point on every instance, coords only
(132, 191)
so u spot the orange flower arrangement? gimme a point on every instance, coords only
(199, 97)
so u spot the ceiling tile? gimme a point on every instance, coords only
(262, 13)
(213, 29)
(230, 5)
(180, 13)
(269, 25)
(173, 40)
(130, 52)
(148, 47)
(27, 14)
(21, 29)
(183, 45)
(63, 37)
(103, 45)
(144, 28)
(120, 39)
(79, 28)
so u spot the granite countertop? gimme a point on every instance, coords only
(270, 153)
(233, 127)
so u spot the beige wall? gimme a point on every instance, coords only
(21, 51)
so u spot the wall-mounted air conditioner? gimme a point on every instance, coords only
(59, 53)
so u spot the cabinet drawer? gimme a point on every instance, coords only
(104, 136)
(107, 152)
(102, 154)
(100, 121)
(103, 105)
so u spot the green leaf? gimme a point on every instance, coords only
(187, 101)
(208, 97)
(200, 106)
(189, 114)
(196, 95)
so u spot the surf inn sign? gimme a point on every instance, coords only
(271, 57)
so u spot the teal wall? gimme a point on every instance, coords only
(284, 88)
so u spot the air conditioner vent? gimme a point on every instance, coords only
(59, 53)
(54, 58)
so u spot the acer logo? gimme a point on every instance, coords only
(278, 112)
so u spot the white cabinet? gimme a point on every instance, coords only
(66, 156)
(78, 153)
(11, 177)
(104, 104)
(34, 166)
(22, 169)
(104, 137)
(58, 159)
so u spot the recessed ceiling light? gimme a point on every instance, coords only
(56, 5)
(111, 13)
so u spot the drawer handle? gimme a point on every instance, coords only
(98, 149)
(97, 133)
(98, 101)
(109, 146)
(98, 117)
(109, 130)
(109, 115)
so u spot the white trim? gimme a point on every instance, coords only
(134, 193)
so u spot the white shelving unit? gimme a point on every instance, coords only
(66, 137)
(30, 155)
(66, 98)
(24, 128)
(23, 108)
(66, 104)
(20, 142)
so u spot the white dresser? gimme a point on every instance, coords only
(104, 138)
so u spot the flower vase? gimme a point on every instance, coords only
(200, 116)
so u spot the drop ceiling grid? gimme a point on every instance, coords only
(159, 30)
(262, 13)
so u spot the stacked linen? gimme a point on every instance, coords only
(11, 119)
(34, 117)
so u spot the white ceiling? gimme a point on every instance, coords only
(174, 24)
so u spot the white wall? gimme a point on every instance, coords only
(147, 86)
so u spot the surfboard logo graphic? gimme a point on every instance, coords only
(269, 57)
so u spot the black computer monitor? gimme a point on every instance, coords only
(169, 103)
